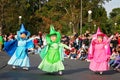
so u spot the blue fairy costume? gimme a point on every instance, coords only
(20, 56)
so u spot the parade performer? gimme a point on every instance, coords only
(18, 49)
(99, 52)
(52, 54)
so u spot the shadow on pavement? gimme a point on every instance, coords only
(29, 76)
(110, 72)
(75, 71)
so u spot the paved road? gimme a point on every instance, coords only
(75, 70)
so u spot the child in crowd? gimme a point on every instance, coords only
(113, 56)
(73, 53)
(116, 64)
(37, 49)
(67, 53)
(82, 53)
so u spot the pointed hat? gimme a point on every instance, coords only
(99, 33)
(23, 30)
(53, 32)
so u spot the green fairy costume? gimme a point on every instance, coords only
(52, 54)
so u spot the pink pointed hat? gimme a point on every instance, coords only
(99, 33)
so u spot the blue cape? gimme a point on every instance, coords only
(10, 47)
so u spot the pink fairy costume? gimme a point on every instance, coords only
(99, 53)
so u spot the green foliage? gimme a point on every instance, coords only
(114, 20)
(37, 15)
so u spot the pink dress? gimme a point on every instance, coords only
(99, 54)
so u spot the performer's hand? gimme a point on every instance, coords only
(111, 36)
(31, 49)
(90, 57)
(108, 59)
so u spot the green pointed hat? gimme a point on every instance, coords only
(53, 32)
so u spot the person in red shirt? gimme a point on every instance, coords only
(119, 40)
(35, 41)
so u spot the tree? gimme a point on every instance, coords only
(3, 3)
(63, 14)
(68, 11)
(114, 20)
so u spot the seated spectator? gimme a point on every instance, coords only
(73, 53)
(67, 52)
(116, 64)
(82, 54)
(37, 49)
(113, 56)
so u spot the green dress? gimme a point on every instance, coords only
(52, 60)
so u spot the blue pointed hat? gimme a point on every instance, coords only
(23, 30)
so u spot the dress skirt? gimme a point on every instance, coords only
(52, 61)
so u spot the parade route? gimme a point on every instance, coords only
(74, 70)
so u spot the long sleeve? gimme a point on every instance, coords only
(107, 46)
(91, 50)
(64, 46)
(107, 41)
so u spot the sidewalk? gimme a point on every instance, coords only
(3, 59)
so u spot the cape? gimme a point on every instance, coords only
(45, 49)
(10, 47)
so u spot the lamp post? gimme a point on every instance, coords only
(115, 26)
(20, 17)
(89, 18)
(89, 15)
(94, 27)
(2, 15)
(70, 26)
(81, 18)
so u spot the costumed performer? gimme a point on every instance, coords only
(99, 52)
(52, 54)
(18, 49)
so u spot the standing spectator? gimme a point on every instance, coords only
(76, 42)
(99, 52)
(11, 36)
(40, 38)
(119, 40)
(5, 38)
(80, 41)
(1, 42)
(35, 41)
(114, 42)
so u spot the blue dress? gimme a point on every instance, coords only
(20, 57)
